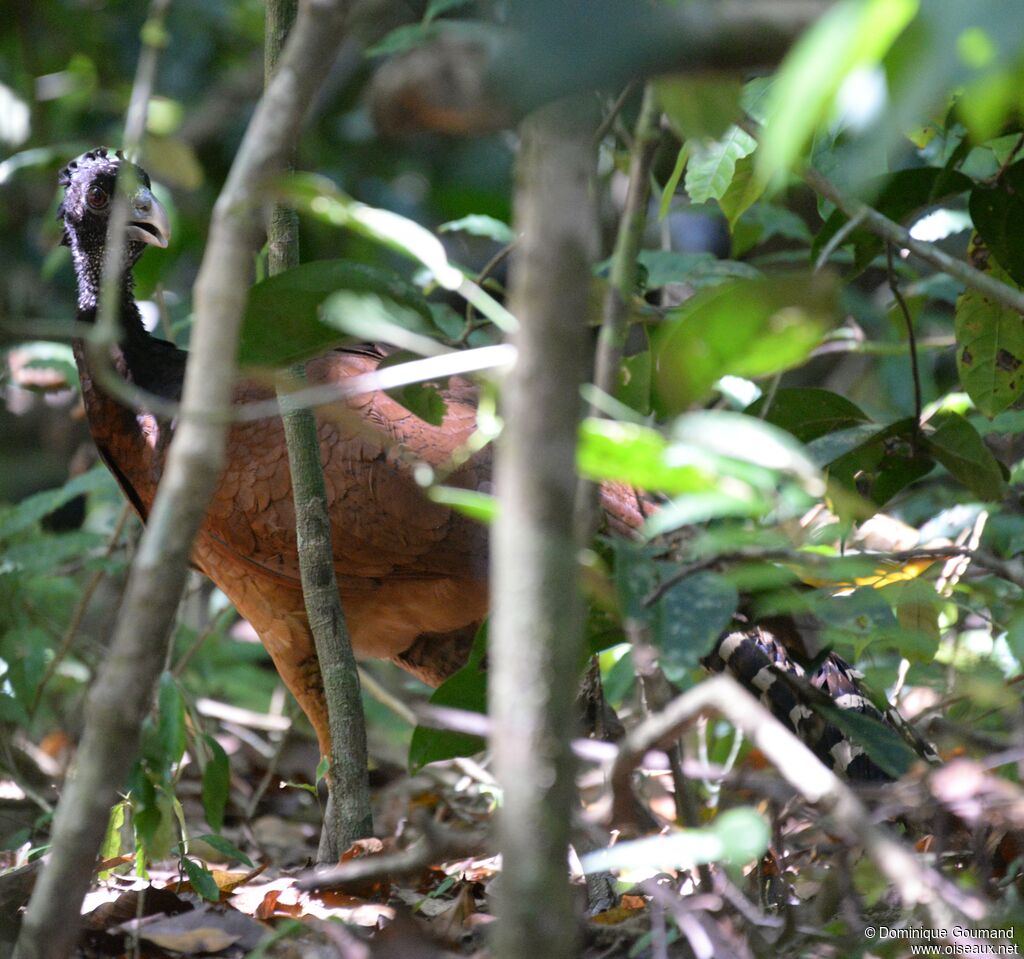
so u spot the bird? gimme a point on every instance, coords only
(412, 573)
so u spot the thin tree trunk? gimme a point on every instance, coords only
(536, 626)
(122, 694)
(348, 815)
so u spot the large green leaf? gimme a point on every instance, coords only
(695, 269)
(216, 783)
(639, 456)
(699, 106)
(808, 413)
(282, 323)
(743, 327)
(712, 164)
(688, 618)
(989, 342)
(957, 446)
(33, 508)
(875, 460)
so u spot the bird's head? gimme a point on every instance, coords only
(89, 189)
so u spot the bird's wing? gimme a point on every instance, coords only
(384, 525)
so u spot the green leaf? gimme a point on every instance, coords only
(33, 508)
(694, 269)
(282, 322)
(111, 846)
(998, 212)
(319, 197)
(712, 166)
(469, 502)
(403, 38)
(222, 845)
(699, 106)
(752, 449)
(898, 196)
(808, 413)
(883, 745)
(672, 183)
(989, 342)
(957, 446)
(436, 7)
(216, 782)
(737, 837)
(744, 190)
(43, 554)
(877, 460)
(477, 224)
(467, 689)
(745, 328)
(689, 618)
(851, 34)
(171, 721)
(638, 456)
(201, 879)
(372, 318)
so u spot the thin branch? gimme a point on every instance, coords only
(911, 338)
(893, 232)
(613, 111)
(434, 846)
(348, 815)
(622, 278)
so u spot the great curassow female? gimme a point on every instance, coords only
(412, 573)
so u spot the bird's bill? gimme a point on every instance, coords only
(148, 223)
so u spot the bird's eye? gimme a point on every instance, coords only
(97, 197)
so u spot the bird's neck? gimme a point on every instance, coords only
(131, 441)
(138, 356)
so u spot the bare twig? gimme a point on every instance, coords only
(908, 321)
(348, 815)
(613, 111)
(622, 278)
(893, 232)
(435, 845)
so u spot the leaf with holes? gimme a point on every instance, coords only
(989, 342)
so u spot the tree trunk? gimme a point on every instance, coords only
(536, 626)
